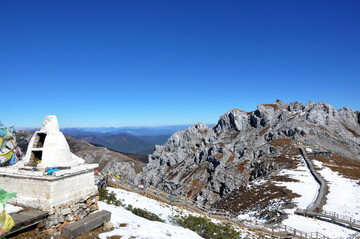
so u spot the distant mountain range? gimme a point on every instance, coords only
(137, 140)
(137, 131)
(122, 142)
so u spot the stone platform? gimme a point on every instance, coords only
(40, 191)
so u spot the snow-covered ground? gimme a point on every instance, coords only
(342, 199)
(164, 211)
(11, 208)
(344, 193)
(307, 187)
(128, 225)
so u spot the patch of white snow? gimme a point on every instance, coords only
(127, 225)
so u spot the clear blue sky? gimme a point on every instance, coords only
(145, 62)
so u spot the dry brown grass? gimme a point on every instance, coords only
(274, 106)
(351, 131)
(284, 178)
(258, 196)
(240, 167)
(195, 188)
(262, 132)
(188, 176)
(347, 167)
(172, 175)
(281, 142)
(219, 155)
(222, 144)
(232, 157)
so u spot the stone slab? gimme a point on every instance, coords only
(26, 218)
(87, 224)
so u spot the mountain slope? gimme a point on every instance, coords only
(218, 163)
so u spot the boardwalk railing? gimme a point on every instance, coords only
(341, 217)
(319, 201)
(315, 208)
(298, 233)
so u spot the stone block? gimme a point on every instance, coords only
(65, 211)
(51, 221)
(74, 207)
(82, 214)
(87, 224)
(61, 218)
(77, 212)
(94, 207)
(69, 218)
(87, 211)
(57, 210)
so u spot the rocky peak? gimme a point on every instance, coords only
(206, 164)
(296, 107)
(235, 119)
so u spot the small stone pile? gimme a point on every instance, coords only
(64, 214)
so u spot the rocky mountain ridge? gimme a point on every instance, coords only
(208, 164)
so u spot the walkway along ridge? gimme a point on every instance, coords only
(277, 231)
(315, 209)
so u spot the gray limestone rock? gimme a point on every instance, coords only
(65, 211)
(207, 163)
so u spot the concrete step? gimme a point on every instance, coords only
(87, 224)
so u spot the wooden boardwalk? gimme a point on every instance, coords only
(315, 209)
(320, 198)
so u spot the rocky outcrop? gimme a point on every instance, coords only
(207, 163)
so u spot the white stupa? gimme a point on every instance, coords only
(29, 178)
(49, 148)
